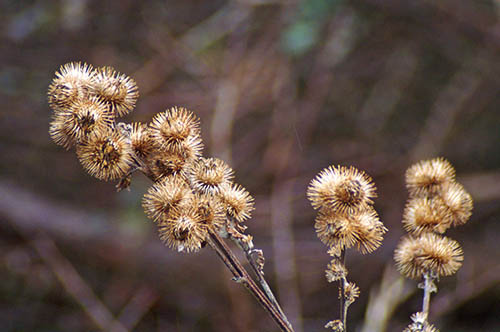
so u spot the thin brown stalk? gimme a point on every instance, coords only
(429, 287)
(241, 276)
(342, 286)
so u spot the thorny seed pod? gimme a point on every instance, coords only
(341, 189)
(458, 202)
(428, 253)
(363, 230)
(422, 215)
(119, 91)
(177, 130)
(351, 292)
(335, 325)
(105, 155)
(420, 324)
(207, 175)
(141, 141)
(334, 230)
(184, 229)
(60, 132)
(237, 200)
(165, 163)
(335, 270)
(86, 116)
(163, 196)
(71, 83)
(369, 230)
(428, 176)
(210, 209)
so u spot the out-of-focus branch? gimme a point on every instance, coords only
(75, 285)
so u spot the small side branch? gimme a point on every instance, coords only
(242, 276)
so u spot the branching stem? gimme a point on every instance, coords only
(241, 275)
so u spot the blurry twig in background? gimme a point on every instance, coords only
(392, 291)
(448, 104)
(74, 284)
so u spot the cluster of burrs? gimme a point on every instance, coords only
(193, 200)
(191, 195)
(346, 219)
(436, 202)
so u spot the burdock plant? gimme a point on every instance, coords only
(193, 201)
(346, 218)
(436, 202)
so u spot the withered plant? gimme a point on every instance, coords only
(346, 219)
(193, 201)
(436, 202)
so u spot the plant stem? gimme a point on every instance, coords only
(429, 287)
(242, 276)
(342, 285)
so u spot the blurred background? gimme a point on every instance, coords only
(283, 89)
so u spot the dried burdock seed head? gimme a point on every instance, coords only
(341, 189)
(164, 163)
(335, 270)
(71, 83)
(335, 325)
(369, 230)
(119, 91)
(177, 130)
(351, 292)
(210, 209)
(60, 132)
(335, 230)
(163, 196)
(420, 324)
(427, 177)
(86, 116)
(207, 175)
(428, 253)
(141, 141)
(184, 229)
(424, 214)
(105, 155)
(335, 251)
(458, 202)
(237, 200)
(362, 229)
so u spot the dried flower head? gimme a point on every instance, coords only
(428, 176)
(369, 230)
(207, 175)
(210, 209)
(105, 155)
(164, 163)
(60, 132)
(119, 91)
(177, 130)
(163, 196)
(141, 141)
(351, 292)
(341, 189)
(335, 325)
(237, 200)
(185, 229)
(71, 83)
(420, 324)
(428, 253)
(458, 202)
(362, 229)
(424, 214)
(86, 116)
(335, 270)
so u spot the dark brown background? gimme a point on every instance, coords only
(283, 89)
